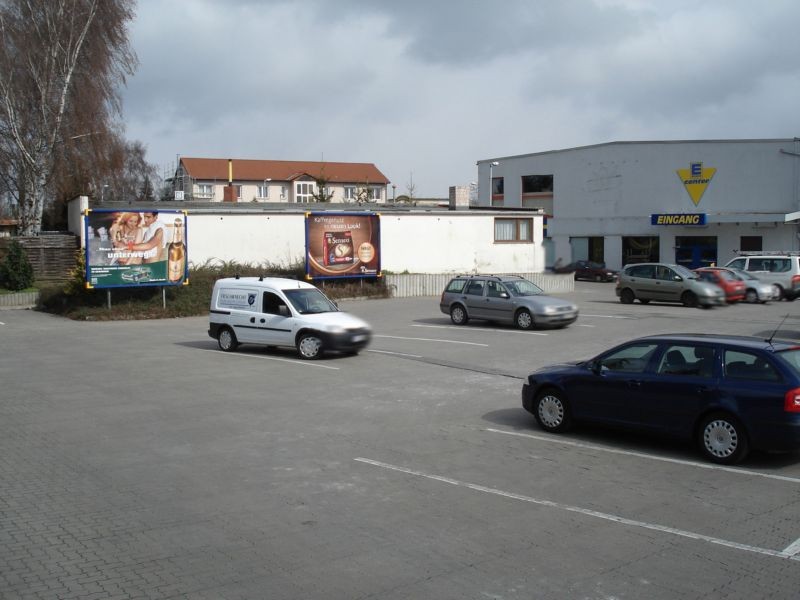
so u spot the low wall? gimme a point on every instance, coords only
(19, 300)
(408, 285)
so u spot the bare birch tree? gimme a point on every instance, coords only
(61, 64)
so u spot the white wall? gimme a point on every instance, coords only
(414, 242)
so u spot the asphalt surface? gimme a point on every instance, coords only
(138, 461)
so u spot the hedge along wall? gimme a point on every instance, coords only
(52, 256)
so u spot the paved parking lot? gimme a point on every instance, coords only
(138, 461)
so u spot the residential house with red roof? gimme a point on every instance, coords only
(288, 181)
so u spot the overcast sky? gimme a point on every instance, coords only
(426, 88)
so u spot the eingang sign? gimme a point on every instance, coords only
(679, 219)
(135, 248)
(342, 244)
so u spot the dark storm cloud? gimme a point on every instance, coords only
(431, 87)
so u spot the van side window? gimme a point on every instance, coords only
(738, 263)
(273, 303)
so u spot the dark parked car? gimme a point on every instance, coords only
(592, 271)
(507, 298)
(728, 393)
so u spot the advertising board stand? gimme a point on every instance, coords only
(126, 249)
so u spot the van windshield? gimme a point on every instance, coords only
(309, 301)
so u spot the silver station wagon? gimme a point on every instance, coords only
(506, 299)
(666, 283)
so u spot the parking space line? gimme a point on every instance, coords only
(397, 337)
(793, 549)
(556, 440)
(607, 316)
(583, 325)
(588, 512)
(396, 353)
(479, 329)
(300, 363)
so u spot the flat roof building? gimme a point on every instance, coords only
(688, 202)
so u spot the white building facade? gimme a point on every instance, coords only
(688, 202)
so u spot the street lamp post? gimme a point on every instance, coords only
(492, 164)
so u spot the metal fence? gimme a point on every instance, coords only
(409, 285)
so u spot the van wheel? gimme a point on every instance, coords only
(626, 296)
(777, 292)
(689, 299)
(309, 346)
(227, 340)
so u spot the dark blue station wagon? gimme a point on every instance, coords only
(728, 393)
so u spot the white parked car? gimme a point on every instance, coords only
(272, 311)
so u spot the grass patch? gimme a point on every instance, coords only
(75, 302)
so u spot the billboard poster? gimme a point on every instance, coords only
(342, 244)
(135, 248)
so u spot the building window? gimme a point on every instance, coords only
(375, 193)
(263, 190)
(205, 190)
(303, 192)
(513, 230)
(640, 249)
(750, 243)
(349, 192)
(537, 184)
(497, 191)
(238, 192)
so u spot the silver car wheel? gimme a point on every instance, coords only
(720, 438)
(551, 411)
(751, 296)
(309, 346)
(458, 315)
(524, 319)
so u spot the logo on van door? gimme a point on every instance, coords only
(696, 179)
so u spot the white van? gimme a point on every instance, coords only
(282, 312)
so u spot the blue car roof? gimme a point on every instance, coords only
(744, 341)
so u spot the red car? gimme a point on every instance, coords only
(731, 283)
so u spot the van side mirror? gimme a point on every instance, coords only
(283, 311)
(504, 295)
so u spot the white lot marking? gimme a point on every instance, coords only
(397, 337)
(462, 328)
(395, 353)
(300, 363)
(553, 439)
(792, 549)
(587, 512)
(606, 316)
(583, 325)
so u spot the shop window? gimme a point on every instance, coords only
(513, 230)
(640, 249)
